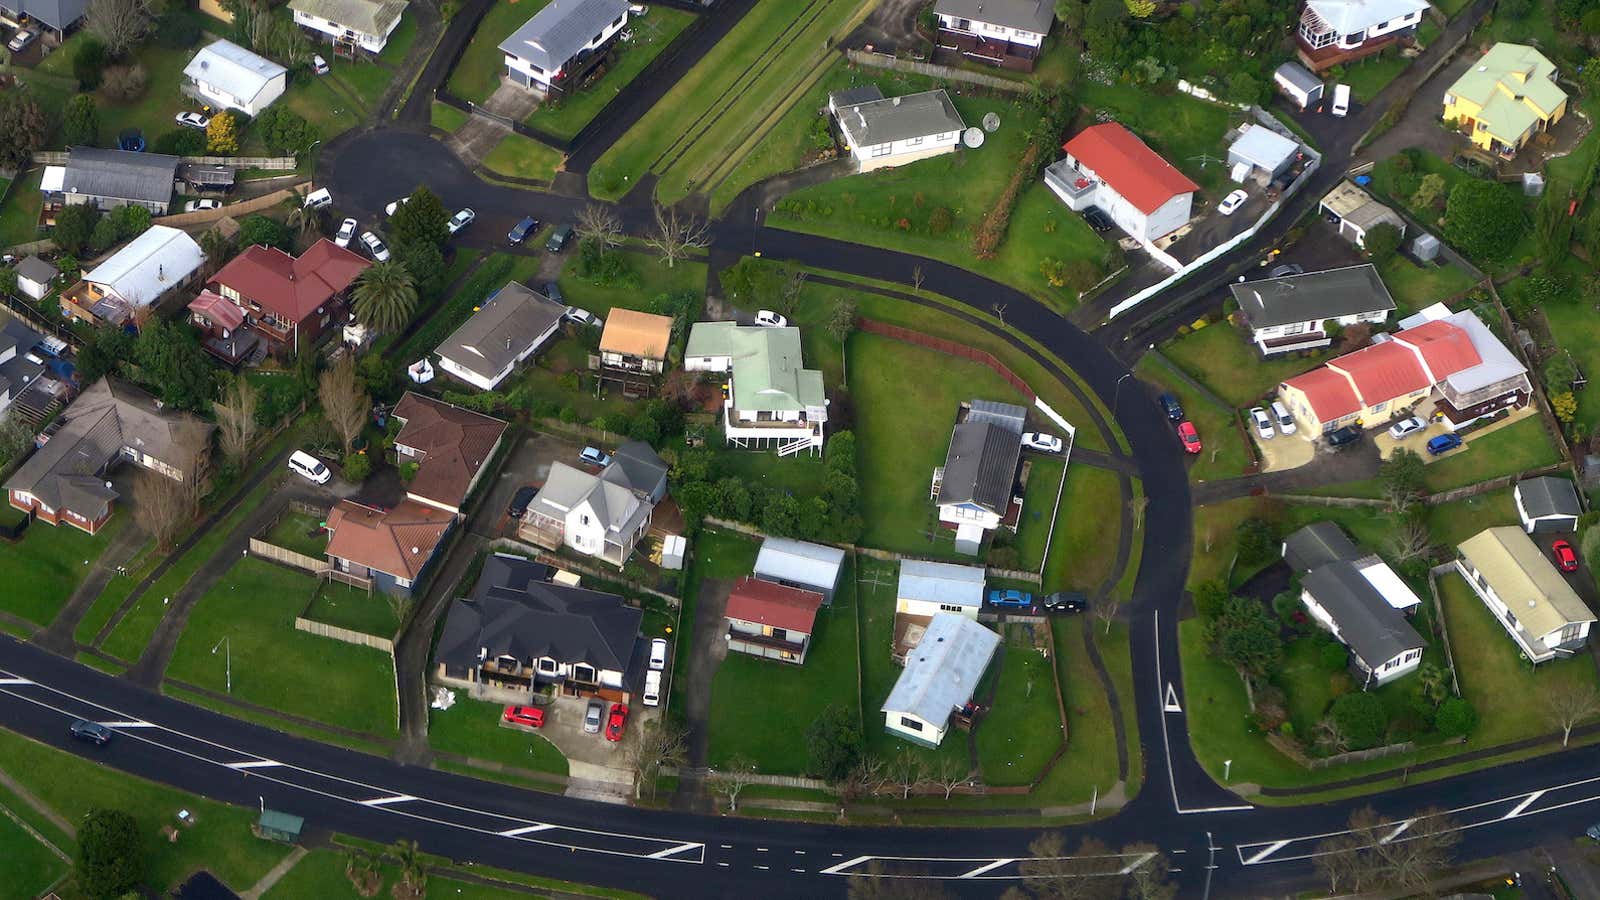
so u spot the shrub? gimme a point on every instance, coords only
(123, 83)
(1361, 718)
(180, 142)
(89, 63)
(940, 220)
(1210, 597)
(1456, 717)
(222, 135)
(1257, 540)
(80, 124)
(357, 466)
(111, 855)
(177, 30)
(1332, 656)
(1382, 242)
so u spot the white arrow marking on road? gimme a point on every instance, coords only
(847, 864)
(671, 851)
(1171, 702)
(385, 801)
(131, 723)
(1399, 829)
(988, 867)
(15, 681)
(1526, 802)
(527, 829)
(1270, 849)
(254, 764)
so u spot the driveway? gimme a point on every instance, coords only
(473, 140)
(890, 27)
(528, 463)
(707, 650)
(1419, 125)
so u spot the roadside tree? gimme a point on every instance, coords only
(730, 780)
(111, 853)
(343, 400)
(1567, 703)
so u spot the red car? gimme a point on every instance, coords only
(1191, 437)
(1566, 560)
(531, 716)
(616, 722)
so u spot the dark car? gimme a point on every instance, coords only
(132, 140)
(520, 501)
(93, 732)
(1065, 602)
(1285, 270)
(521, 230)
(1343, 437)
(1010, 597)
(558, 239)
(553, 291)
(1097, 219)
(1443, 443)
(1173, 408)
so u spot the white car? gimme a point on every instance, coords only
(658, 654)
(461, 220)
(652, 689)
(580, 316)
(1263, 424)
(347, 233)
(1044, 443)
(319, 198)
(192, 120)
(1232, 202)
(1281, 414)
(309, 467)
(319, 65)
(769, 319)
(1341, 100)
(390, 209)
(1406, 427)
(375, 246)
(197, 205)
(22, 39)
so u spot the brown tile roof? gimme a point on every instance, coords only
(636, 334)
(779, 606)
(396, 542)
(455, 444)
(292, 288)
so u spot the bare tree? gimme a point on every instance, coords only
(916, 279)
(398, 604)
(659, 745)
(1567, 703)
(905, 772)
(343, 400)
(1000, 313)
(875, 885)
(1411, 860)
(1410, 538)
(236, 420)
(864, 780)
(162, 506)
(731, 780)
(1089, 873)
(1137, 507)
(948, 775)
(119, 24)
(677, 235)
(1148, 879)
(1338, 860)
(1105, 610)
(600, 224)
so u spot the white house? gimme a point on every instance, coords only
(1547, 505)
(350, 25)
(975, 489)
(882, 132)
(35, 277)
(940, 677)
(1521, 587)
(596, 515)
(1107, 166)
(772, 401)
(160, 260)
(1336, 31)
(562, 42)
(1004, 33)
(1294, 312)
(508, 328)
(225, 74)
(930, 588)
(1383, 645)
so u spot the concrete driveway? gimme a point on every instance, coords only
(528, 463)
(1417, 442)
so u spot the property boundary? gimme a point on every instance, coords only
(934, 70)
(349, 636)
(949, 348)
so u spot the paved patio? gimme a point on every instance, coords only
(1417, 442)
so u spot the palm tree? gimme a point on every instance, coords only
(386, 296)
(413, 873)
(305, 219)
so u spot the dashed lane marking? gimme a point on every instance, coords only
(673, 851)
(526, 829)
(385, 801)
(254, 764)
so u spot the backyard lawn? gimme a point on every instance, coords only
(299, 532)
(651, 35)
(477, 73)
(343, 606)
(25, 863)
(714, 554)
(1576, 328)
(1182, 129)
(654, 279)
(1223, 453)
(1087, 530)
(1368, 76)
(19, 216)
(253, 607)
(1517, 447)
(1414, 287)
(522, 157)
(41, 571)
(472, 728)
(1222, 359)
(1038, 510)
(1022, 730)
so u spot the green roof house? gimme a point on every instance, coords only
(772, 400)
(1506, 98)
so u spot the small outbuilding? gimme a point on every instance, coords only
(35, 276)
(279, 826)
(1298, 84)
(1547, 504)
(800, 564)
(1355, 213)
(1259, 148)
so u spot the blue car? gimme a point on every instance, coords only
(1444, 443)
(1010, 598)
(524, 228)
(1171, 406)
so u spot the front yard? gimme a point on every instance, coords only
(653, 278)
(477, 73)
(651, 35)
(472, 728)
(1518, 447)
(1022, 730)
(1224, 360)
(41, 571)
(523, 157)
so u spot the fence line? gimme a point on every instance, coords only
(287, 557)
(275, 163)
(949, 348)
(359, 638)
(934, 70)
(1439, 620)
(255, 204)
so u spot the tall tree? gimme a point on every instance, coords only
(677, 235)
(1148, 879)
(236, 420)
(833, 743)
(217, 246)
(601, 225)
(300, 217)
(1484, 219)
(80, 122)
(875, 885)
(170, 359)
(75, 226)
(120, 24)
(1089, 873)
(422, 219)
(1566, 703)
(16, 438)
(343, 400)
(222, 135)
(1245, 636)
(731, 778)
(660, 744)
(1402, 478)
(386, 296)
(111, 853)
(162, 506)
(23, 125)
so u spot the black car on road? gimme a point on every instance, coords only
(93, 732)
(1065, 602)
(1173, 408)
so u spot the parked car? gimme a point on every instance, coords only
(1231, 203)
(198, 205)
(658, 654)
(1593, 831)
(1010, 597)
(652, 689)
(617, 722)
(394, 207)
(1443, 443)
(1263, 424)
(1065, 602)
(1044, 443)
(1171, 406)
(766, 318)
(1190, 436)
(553, 291)
(1341, 100)
(93, 732)
(1406, 427)
(1566, 559)
(521, 230)
(594, 456)
(520, 501)
(318, 199)
(579, 316)
(558, 239)
(309, 467)
(375, 246)
(192, 120)
(22, 39)
(1285, 421)
(461, 220)
(1285, 270)
(347, 232)
(1339, 438)
(637, 9)
(1096, 218)
(531, 716)
(319, 65)
(592, 716)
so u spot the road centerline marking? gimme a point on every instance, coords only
(986, 867)
(385, 801)
(1266, 851)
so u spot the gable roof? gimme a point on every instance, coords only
(119, 174)
(397, 542)
(850, 96)
(292, 287)
(1313, 296)
(1548, 496)
(1354, 205)
(943, 583)
(515, 610)
(1316, 545)
(637, 467)
(981, 464)
(1299, 76)
(1128, 166)
(58, 14)
(634, 333)
(374, 17)
(776, 605)
(1515, 85)
(505, 326)
(874, 122)
(943, 671)
(1355, 16)
(149, 265)
(1329, 393)
(1262, 147)
(1376, 631)
(1525, 579)
(566, 488)
(232, 69)
(221, 311)
(767, 369)
(32, 268)
(1445, 348)
(800, 562)
(1382, 371)
(558, 32)
(17, 340)
(1028, 15)
(456, 444)
(1496, 363)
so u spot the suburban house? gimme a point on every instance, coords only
(1521, 587)
(563, 43)
(940, 678)
(508, 328)
(1260, 153)
(135, 278)
(927, 589)
(1298, 84)
(1333, 32)
(225, 75)
(64, 480)
(1441, 366)
(1383, 645)
(386, 549)
(1004, 33)
(1547, 505)
(519, 632)
(800, 564)
(351, 26)
(603, 515)
(35, 277)
(57, 15)
(772, 621)
(1322, 544)
(637, 467)
(883, 132)
(20, 363)
(771, 400)
(975, 489)
(1296, 312)
(1355, 213)
(449, 446)
(633, 346)
(111, 178)
(266, 300)
(1107, 166)
(1509, 96)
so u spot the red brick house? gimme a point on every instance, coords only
(287, 302)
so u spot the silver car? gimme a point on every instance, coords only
(1406, 427)
(1263, 424)
(592, 716)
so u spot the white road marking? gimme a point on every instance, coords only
(254, 764)
(761, 849)
(837, 868)
(129, 723)
(1169, 702)
(800, 853)
(1143, 858)
(526, 829)
(727, 846)
(1398, 830)
(1526, 802)
(1266, 851)
(986, 868)
(1166, 744)
(801, 871)
(688, 845)
(385, 801)
(723, 864)
(763, 868)
(15, 681)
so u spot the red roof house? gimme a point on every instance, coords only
(1383, 371)
(1144, 194)
(290, 300)
(770, 620)
(1444, 347)
(388, 547)
(450, 446)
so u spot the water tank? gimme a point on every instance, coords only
(1425, 247)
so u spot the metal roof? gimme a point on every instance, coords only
(899, 118)
(1299, 76)
(981, 464)
(560, 31)
(502, 329)
(799, 562)
(942, 583)
(1027, 15)
(943, 671)
(768, 372)
(1313, 296)
(1376, 631)
(1263, 148)
(58, 14)
(119, 175)
(149, 265)
(374, 17)
(233, 70)
(1316, 545)
(1525, 580)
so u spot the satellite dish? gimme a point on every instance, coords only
(991, 121)
(972, 137)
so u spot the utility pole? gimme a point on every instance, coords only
(227, 649)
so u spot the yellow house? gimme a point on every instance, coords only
(1506, 98)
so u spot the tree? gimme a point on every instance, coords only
(1566, 703)
(104, 236)
(1378, 853)
(258, 229)
(1339, 857)
(119, 24)
(1089, 873)
(1456, 717)
(659, 744)
(1105, 27)
(23, 125)
(236, 420)
(1256, 540)
(1210, 597)
(833, 743)
(677, 235)
(425, 263)
(1483, 219)
(75, 226)
(343, 400)
(362, 868)
(171, 360)
(88, 61)
(111, 856)
(1402, 478)
(731, 779)
(386, 296)
(1148, 879)
(876, 886)
(413, 873)
(948, 775)
(905, 772)
(1245, 636)
(600, 225)
(1382, 242)
(222, 135)
(841, 319)
(16, 438)
(1409, 538)
(1564, 406)
(1560, 371)
(217, 246)
(284, 131)
(1429, 191)
(80, 122)
(103, 352)
(420, 220)
(1105, 610)
(124, 83)
(1362, 719)
(300, 217)
(130, 221)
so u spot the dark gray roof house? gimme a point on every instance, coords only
(899, 118)
(981, 465)
(1384, 643)
(561, 30)
(1316, 545)
(851, 96)
(511, 326)
(19, 366)
(1313, 296)
(1547, 504)
(58, 14)
(1026, 15)
(637, 467)
(118, 176)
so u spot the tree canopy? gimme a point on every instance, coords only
(111, 860)
(1484, 219)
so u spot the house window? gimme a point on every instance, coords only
(585, 520)
(583, 672)
(881, 150)
(1571, 633)
(1296, 328)
(1380, 407)
(780, 634)
(1482, 582)
(910, 723)
(547, 666)
(950, 607)
(914, 142)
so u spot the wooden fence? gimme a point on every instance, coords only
(360, 638)
(256, 204)
(950, 348)
(275, 163)
(287, 557)
(934, 70)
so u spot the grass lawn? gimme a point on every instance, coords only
(1517, 447)
(346, 607)
(1451, 523)
(552, 374)
(1023, 729)
(477, 73)
(906, 435)
(26, 864)
(761, 708)
(321, 104)
(1223, 360)
(321, 874)
(299, 532)
(472, 728)
(1085, 544)
(522, 157)
(1224, 454)
(447, 118)
(220, 839)
(42, 570)
(153, 112)
(1414, 287)
(1393, 185)
(651, 35)
(19, 216)
(715, 554)
(1179, 127)
(253, 607)
(116, 590)
(654, 279)
(1215, 525)
(1577, 330)
(1367, 77)
(400, 41)
(1038, 511)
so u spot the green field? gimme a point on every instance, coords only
(651, 35)
(41, 571)
(522, 157)
(472, 728)
(1518, 447)
(1225, 361)
(27, 867)
(19, 216)
(1022, 730)
(652, 278)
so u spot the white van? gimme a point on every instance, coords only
(652, 688)
(309, 467)
(1341, 100)
(319, 198)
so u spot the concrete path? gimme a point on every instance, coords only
(274, 876)
(58, 638)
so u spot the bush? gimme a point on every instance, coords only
(89, 63)
(258, 229)
(177, 30)
(180, 142)
(1361, 718)
(80, 124)
(283, 131)
(123, 83)
(357, 466)
(1382, 242)
(111, 859)
(1257, 541)
(1210, 597)
(1332, 656)
(1456, 718)
(1484, 219)
(833, 743)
